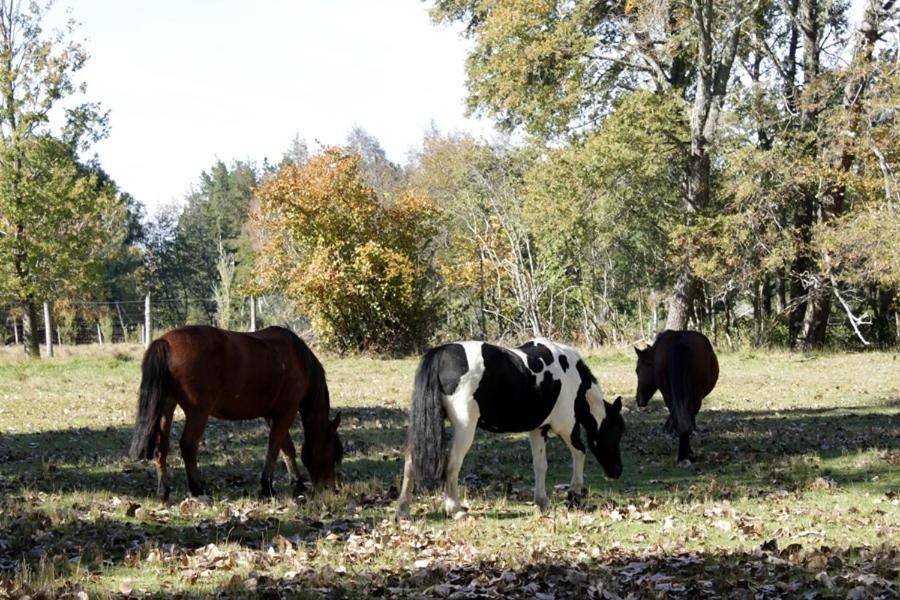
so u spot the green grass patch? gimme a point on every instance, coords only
(797, 490)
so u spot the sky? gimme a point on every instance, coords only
(191, 82)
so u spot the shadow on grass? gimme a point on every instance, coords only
(741, 453)
(231, 456)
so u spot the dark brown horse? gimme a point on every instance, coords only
(236, 376)
(683, 366)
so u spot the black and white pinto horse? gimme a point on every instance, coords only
(538, 387)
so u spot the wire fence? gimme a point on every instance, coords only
(78, 322)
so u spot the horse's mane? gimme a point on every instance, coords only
(318, 388)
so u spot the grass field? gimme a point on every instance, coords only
(796, 494)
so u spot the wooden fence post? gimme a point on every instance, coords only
(48, 334)
(99, 335)
(252, 313)
(15, 331)
(147, 324)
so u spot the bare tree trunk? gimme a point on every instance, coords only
(815, 317)
(679, 304)
(30, 325)
(713, 72)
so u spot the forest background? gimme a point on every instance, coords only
(720, 165)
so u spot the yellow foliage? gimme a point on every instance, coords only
(354, 263)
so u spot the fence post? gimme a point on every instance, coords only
(15, 330)
(99, 335)
(252, 313)
(48, 334)
(147, 330)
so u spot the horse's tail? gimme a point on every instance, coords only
(680, 362)
(425, 439)
(155, 387)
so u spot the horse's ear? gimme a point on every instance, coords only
(617, 404)
(637, 350)
(337, 420)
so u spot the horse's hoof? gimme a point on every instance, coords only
(685, 463)
(574, 499)
(266, 489)
(402, 514)
(460, 514)
(543, 504)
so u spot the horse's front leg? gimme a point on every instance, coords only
(279, 434)
(162, 453)
(195, 423)
(576, 486)
(289, 455)
(539, 458)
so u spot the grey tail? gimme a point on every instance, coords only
(155, 387)
(425, 439)
(680, 361)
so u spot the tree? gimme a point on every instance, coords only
(556, 69)
(818, 171)
(50, 216)
(381, 174)
(185, 247)
(356, 264)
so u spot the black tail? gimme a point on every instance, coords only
(425, 440)
(680, 361)
(155, 386)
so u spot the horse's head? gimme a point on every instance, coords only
(604, 442)
(646, 385)
(322, 453)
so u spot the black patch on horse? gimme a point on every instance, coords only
(538, 356)
(545, 431)
(583, 414)
(452, 365)
(508, 396)
(575, 438)
(564, 362)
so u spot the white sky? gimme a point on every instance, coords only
(191, 81)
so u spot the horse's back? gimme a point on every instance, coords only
(515, 389)
(691, 350)
(233, 375)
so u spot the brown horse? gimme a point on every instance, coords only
(236, 376)
(683, 366)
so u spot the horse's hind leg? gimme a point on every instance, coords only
(162, 451)
(685, 454)
(539, 458)
(278, 434)
(195, 423)
(406, 489)
(463, 434)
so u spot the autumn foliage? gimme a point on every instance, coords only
(356, 263)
